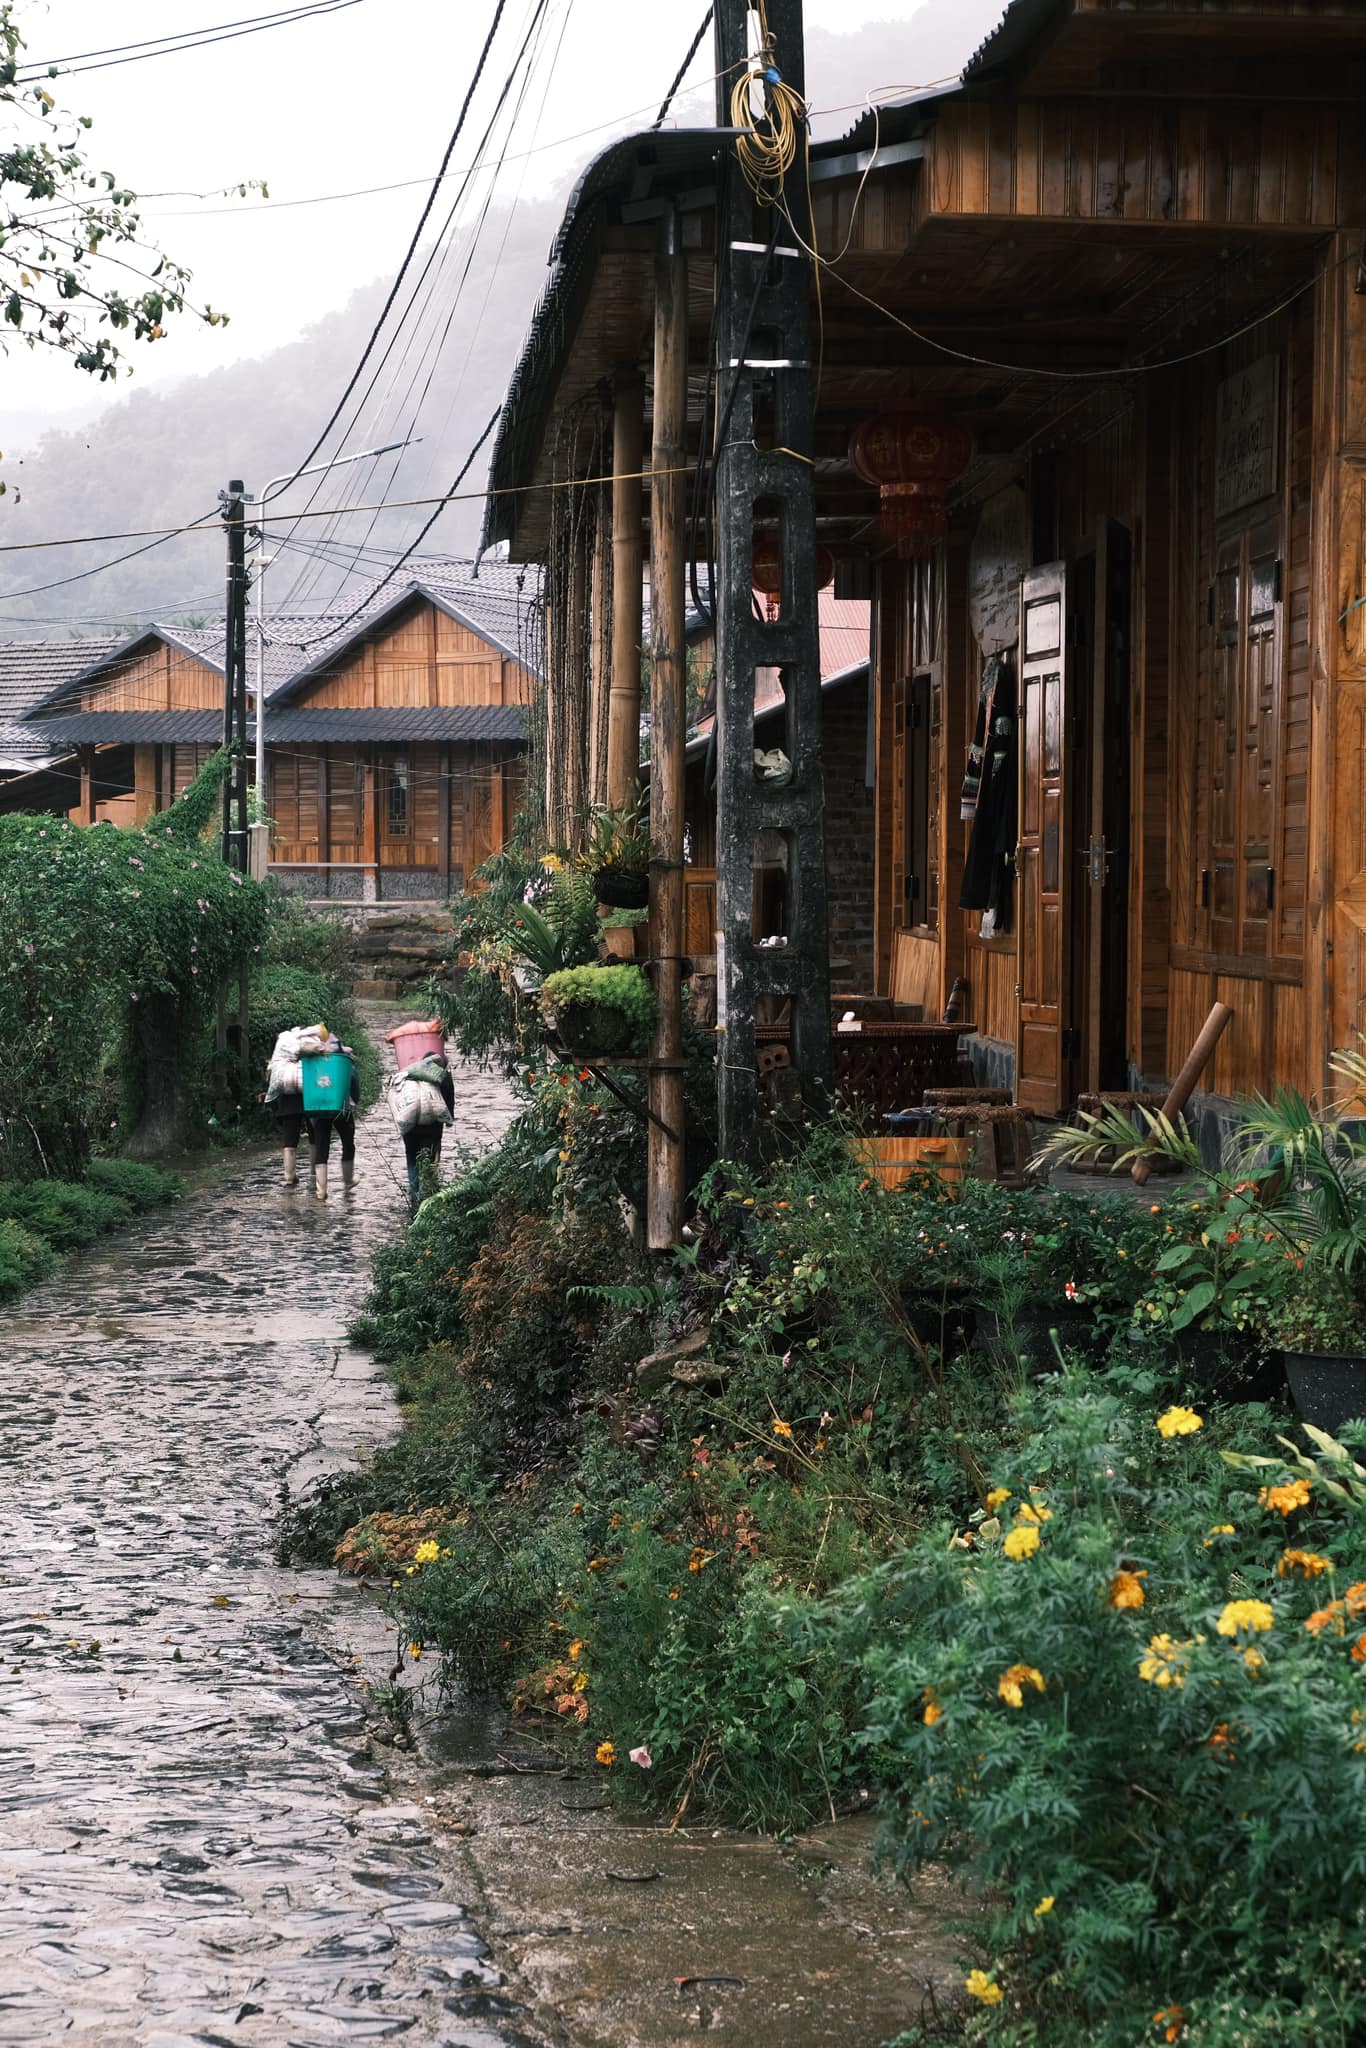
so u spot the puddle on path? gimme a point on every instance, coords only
(196, 1844)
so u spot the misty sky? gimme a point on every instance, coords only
(360, 98)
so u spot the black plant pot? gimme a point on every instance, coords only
(1214, 1365)
(622, 888)
(1028, 1337)
(1329, 1388)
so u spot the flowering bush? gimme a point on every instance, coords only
(1132, 1714)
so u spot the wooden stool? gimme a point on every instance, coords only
(1000, 1135)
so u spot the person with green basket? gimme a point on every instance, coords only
(331, 1092)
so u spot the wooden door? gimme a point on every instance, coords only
(1104, 827)
(1045, 1035)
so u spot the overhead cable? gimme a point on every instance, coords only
(172, 46)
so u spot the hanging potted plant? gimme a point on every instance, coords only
(597, 1011)
(615, 854)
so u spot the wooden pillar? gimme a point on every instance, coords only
(1335, 937)
(84, 813)
(600, 649)
(368, 775)
(665, 1176)
(443, 813)
(623, 729)
(576, 699)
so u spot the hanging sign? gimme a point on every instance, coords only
(1247, 436)
(997, 562)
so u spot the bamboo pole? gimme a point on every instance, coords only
(665, 1176)
(600, 649)
(1182, 1088)
(623, 733)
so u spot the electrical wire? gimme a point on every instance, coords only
(34, 589)
(189, 40)
(682, 71)
(767, 146)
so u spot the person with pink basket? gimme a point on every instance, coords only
(421, 1096)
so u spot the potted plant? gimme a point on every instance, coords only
(597, 1011)
(1320, 1326)
(615, 853)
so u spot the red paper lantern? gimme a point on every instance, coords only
(912, 457)
(768, 569)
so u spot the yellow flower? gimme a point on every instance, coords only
(427, 1553)
(414, 1650)
(1308, 1563)
(576, 1650)
(606, 1754)
(932, 1714)
(1038, 1515)
(1126, 1589)
(1022, 1541)
(977, 1984)
(1179, 1422)
(1164, 1662)
(997, 1496)
(1285, 1498)
(1222, 1529)
(1010, 1686)
(782, 1428)
(1045, 1905)
(1245, 1614)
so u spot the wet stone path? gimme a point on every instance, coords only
(196, 1845)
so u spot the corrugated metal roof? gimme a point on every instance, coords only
(1013, 33)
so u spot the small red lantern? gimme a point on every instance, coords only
(912, 457)
(768, 569)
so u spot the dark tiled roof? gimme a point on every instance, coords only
(30, 672)
(331, 726)
(413, 722)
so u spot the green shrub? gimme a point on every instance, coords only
(24, 1259)
(131, 1181)
(623, 990)
(64, 1214)
(1125, 1708)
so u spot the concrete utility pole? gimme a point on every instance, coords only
(763, 284)
(234, 843)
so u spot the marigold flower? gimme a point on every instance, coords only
(1010, 1685)
(1179, 1422)
(673, 1592)
(1238, 1615)
(700, 1558)
(415, 1651)
(1287, 1498)
(1164, 1662)
(1045, 1905)
(1308, 1563)
(1358, 1650)
(1354, 1599)
(977, 1984)
(1326, 1617)
(1173, 2017)
(782, 1428)
(576, 1650)
(1022, 1541)
(998, 1496)
(1028, 1512)
(606, 1754)
(427, 1553)
(1126, 1589)
(1221, 1742)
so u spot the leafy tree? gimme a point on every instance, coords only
(110, 938)
(75, 269)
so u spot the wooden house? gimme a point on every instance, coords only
(1117, 274)
(395, 741)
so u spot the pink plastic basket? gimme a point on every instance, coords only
(413, 1042)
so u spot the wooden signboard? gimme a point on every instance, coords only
(1247, 436)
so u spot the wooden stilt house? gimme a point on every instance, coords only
(1091, 429)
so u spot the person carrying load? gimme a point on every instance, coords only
(331, 1088)
(421, 1096)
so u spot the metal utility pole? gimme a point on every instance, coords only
(234, 843)
(764, 387)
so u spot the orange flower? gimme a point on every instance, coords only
(1326, 1617)
(782, 1428)
(1307, 1563)
(1126, 1589)
(1354, 1599)
(1359, 1650)
(1285, 1499)
(606, 1754)
(1011, 1683)
(1173, 2018)
(1221, 1742)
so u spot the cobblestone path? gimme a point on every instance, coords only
(195, 1843)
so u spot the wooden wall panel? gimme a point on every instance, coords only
(425, 659)
(470, 681)
(161, 679)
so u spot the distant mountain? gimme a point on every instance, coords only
(159, 458)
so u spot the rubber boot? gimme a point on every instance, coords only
(348, 1174)
(291, 1163)
(320, 1181)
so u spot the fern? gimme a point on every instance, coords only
(645, 1300)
